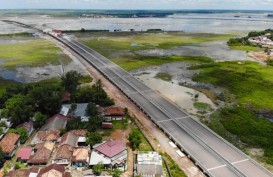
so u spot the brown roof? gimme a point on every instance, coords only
(114, 111)
(80, 155)
(23, 172)
(66, 96)
(81, 132)
(42, 154)
(54, 170)
(8, 143)
(69, 139)
(51, 135)
(64, 152)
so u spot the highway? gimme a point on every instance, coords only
(214, 155)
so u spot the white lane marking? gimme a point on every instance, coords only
(239, 161)
(139, 92)
(221, 166)
(163, 120)
(182, 117)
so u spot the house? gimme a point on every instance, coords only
(65, 149)
(24, 154)
(81, 137)
(89, 173)
(80, 157)
(42, 153)
(63, 155)
(46, 136)
(32, 172)
(54, 170)
(149, 164)
(112, 154)
(113, 113)
(9, 144)
(56, 122)
(79, 112)
(28, 126)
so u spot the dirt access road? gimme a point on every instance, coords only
(154, 135)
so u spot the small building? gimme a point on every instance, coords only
(24, 154)
(5, 125)
(113, 113)
(81, 137)
(149, 164)
(79, 112)
(46, 136)
(9, 144)
(66, 97)
(80, 157)
(112, 154)
(56, 122)
(42, 153)
(32, 172)
(107, 125)
(54, 170)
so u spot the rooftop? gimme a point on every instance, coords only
(54, 170)
(149, 158)
(42, 154)
(114, 111)
(8, 143)
(111, 148)
(24, 153)
(70, 139)
(56, 122)
(80, 155)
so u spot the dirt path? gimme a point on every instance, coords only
(148, 126)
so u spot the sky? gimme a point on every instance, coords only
(137, 4)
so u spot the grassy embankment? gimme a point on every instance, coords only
(249, 85)
(38, 52)
(122, 47)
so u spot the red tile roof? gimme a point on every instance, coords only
(24, 153)
(81, 132)
(51, 135)
(52, 168)
(114, 111)
(8, 143)
(22, 172)
(42, 154)
(111, 148)
(64, 152)
(80, 155)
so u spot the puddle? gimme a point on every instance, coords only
(11, 75)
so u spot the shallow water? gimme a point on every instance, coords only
(11, 75)
(180, 95)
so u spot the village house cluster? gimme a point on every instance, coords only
(262, 40)
(48, 152)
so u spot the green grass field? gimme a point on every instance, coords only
(121, 47)
(251, 85)
(245, 48)
(37, 52)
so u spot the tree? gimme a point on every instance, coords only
(92, 109)
(93, 138)
(73, 108)
(2, 159)
(46, 98)
(18, 109)
(22, 132)
(97, 169)
(75, 123)
(94, 123)
(135, 139)
(71, 81)
(116, 172)
(40, 119)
